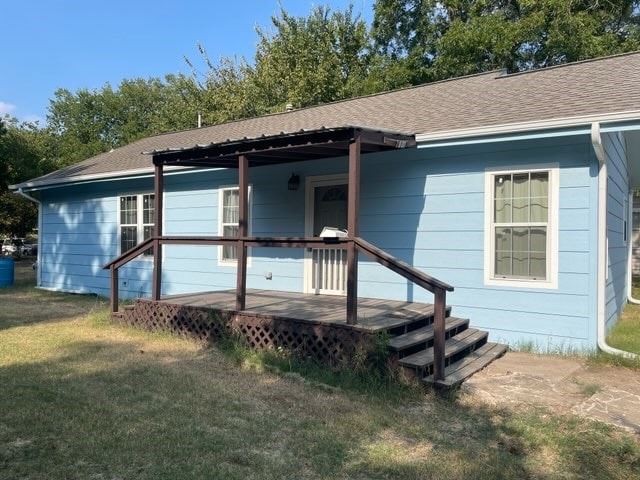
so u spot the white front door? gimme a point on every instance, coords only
(326, 268)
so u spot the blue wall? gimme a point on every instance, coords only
(425, 206)
(617, 248)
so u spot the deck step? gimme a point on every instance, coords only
(466, 339)
(459, 371)
(424, 335)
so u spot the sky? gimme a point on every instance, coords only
(73, 44)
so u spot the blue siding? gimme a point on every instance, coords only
(617, 252)
(425, 206)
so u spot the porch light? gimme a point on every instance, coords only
(294, 182)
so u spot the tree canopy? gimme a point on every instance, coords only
(23, 150)
(435, 39)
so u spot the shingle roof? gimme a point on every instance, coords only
(592, 87)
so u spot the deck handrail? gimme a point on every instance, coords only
(435, 286)
(401, 268)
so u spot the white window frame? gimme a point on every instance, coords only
(139, 224)
(551, 282)
(232, 263)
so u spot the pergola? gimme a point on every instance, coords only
(303, 145)
(285, 147)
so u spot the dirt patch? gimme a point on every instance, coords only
(564, 385)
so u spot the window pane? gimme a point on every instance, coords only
(538, 268)
(502, 195)
(230, 206)
(539, 239)
(520, 264)
(148, 233)
(128, 210)
(520, 210)
(503, 239)
(128, 238)
(230, 231)
(539, 196)
(520, 185)
(147, 209)
(503, 264)
(230, 252)
(520, 242)
(503, 210)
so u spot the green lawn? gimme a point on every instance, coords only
(625, 334)
(81, 398)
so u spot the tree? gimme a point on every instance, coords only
(22, 156)
(87, 122)
(431, 39)
(301, 60)
(310, 60)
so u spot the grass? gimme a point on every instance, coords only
(82, 398)
(624, 335)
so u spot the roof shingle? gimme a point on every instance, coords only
(592, 87)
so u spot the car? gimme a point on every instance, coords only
(16, 246)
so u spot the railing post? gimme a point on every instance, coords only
(440, 307)
(158, 189)
(353, 206)
(113, 303)
(243, 219)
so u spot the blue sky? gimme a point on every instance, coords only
(72, 44)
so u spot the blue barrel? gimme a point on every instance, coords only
(6, 271)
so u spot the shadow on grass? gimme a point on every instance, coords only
(22, 305)
(124, 410)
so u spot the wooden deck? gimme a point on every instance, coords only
(315, 327)
(374, 315)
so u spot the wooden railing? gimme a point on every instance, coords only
(437, 287)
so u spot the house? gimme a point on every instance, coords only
(515, 189)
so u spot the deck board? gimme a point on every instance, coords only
(373, 314)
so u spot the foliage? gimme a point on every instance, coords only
(300, 61)
(432, 39)
(23, 155)
(87, 122)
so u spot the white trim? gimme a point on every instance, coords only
(233, 263)
(134, 172)
(528, 126)
(552, 231)
(140, 225)
(311, 183)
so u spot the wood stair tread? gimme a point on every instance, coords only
(456, 344)
(424, 334)
(475, 361)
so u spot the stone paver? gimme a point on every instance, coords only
(565, 385)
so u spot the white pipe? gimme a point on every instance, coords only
(596, 142)
(37, 202)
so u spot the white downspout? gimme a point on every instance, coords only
(37, 202)
(596, 141)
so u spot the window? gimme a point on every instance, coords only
(521, 228)
(136, 220)
(229, 215)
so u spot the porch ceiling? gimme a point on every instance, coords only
(285, 147)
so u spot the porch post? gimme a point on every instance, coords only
(440, 307)
(243, 218)
(113, 302)
(353, 202)
(158, 190)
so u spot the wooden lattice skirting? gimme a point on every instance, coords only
(325, 343)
